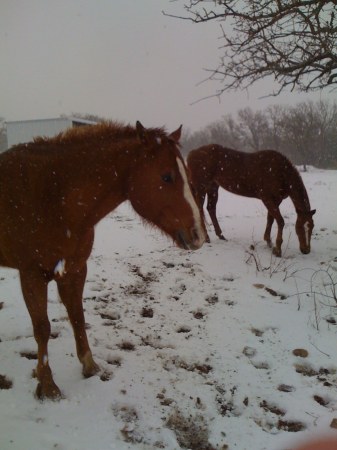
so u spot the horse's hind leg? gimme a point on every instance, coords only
(212, 200)
(34, 290)
(270, 221)
(70, 287)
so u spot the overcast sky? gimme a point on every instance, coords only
(121, 59)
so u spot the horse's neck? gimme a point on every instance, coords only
(298, 193)
(96, 187)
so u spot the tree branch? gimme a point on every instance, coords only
(294, 42)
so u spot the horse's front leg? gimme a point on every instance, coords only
(70, 287)
(34, 289)
(266, 237)
(273, 210)
(212, 200)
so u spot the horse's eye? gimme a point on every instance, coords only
(167, 178)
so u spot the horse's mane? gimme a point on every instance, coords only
(106, 129)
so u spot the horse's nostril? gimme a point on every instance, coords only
(195, 235)
(181, 240)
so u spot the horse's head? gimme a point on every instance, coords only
(160, 191)
(304, 227)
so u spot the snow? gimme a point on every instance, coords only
(196, 348)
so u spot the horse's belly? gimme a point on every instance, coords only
(242, 190)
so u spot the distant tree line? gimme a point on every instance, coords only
(3, 135)
(306, 133)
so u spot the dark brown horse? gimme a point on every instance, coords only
(266, 175)
(53, 192)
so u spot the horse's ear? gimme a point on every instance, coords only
(141, 132)
(312, 212)
(176, 135)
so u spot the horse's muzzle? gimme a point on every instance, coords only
(192, 240)
(305, 250)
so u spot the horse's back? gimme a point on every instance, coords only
(251, 174)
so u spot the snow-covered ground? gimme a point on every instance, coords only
(226, 347)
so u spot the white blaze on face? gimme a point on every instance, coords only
(306, 227)
(191, 201)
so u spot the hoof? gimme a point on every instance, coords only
(208, 239)
(90, 371)
(90, 368)
(277, 252)
(49, 392)
(222, 237)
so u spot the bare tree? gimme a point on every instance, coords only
(226, 132)
(254, 129)
(275, 115)
(326, 120)
(292, 41)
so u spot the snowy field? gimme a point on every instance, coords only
(223, 348)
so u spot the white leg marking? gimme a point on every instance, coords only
(191, 201)
(60, 268)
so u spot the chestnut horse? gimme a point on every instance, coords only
(53, 192)
(267, 175)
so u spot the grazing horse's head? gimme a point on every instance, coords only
(160, 191)
(304, 227)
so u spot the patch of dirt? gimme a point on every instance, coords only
(270, 291)
(301, 352)
(275, 294)
(114, 361)
(147, 312)
(291, 426)
(191, 432)
(127, 346)
(138, 289)
(272, 408)
(29, 355)
(257, 332)
(250, 352)
(261, 365)
(330, 320)
(333, 423)
(321, 401)
(168, 265)
(212, 299)
(106, 376)
(129, 416)
(54, 334)
(225, 400)
(201, 368)
(165, 401)
(308, 371)
(5, 383)
(286, 388)
(110, 316)
(149, 277)
(183, 329)
(198, 315)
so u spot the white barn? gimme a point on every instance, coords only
(22, 131)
